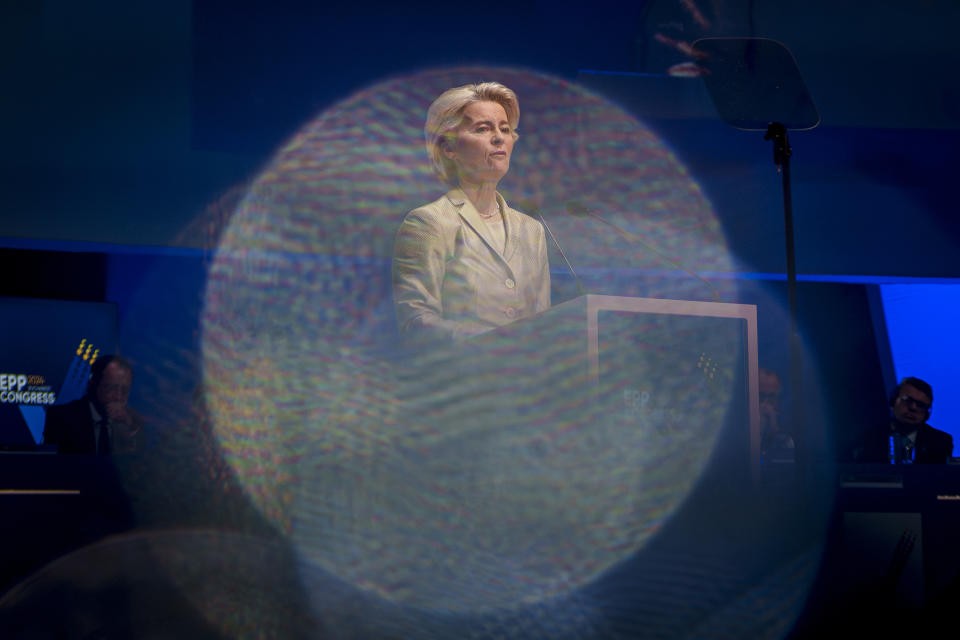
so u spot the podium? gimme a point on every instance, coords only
(526, 462)
(677, 369)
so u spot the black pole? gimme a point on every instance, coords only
(781, 158)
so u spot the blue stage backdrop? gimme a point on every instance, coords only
(922, 325)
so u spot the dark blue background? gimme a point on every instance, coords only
(121, 123)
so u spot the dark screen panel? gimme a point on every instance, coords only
(45, 358)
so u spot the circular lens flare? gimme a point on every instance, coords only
(494, 475)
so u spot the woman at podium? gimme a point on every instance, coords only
(467, 262)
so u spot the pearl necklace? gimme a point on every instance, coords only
(487, 216)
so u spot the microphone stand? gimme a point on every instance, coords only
(530, 205)
(580, 290)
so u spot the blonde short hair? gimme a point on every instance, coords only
(445, 116)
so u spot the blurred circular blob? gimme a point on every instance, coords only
(163, 584)
(490, 476)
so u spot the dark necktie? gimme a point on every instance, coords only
(103, 439)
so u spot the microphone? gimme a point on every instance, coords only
(579, 210)
(531, 206)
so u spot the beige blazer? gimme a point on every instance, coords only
(452, 281)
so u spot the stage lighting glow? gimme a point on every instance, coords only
(451, 480)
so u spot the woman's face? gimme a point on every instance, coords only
(483, 145)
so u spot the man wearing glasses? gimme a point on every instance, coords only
(908, 438)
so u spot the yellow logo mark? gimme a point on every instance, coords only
(80, 348)
(708, 365)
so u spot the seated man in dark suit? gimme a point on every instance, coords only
(99, 422)
(913, 439)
